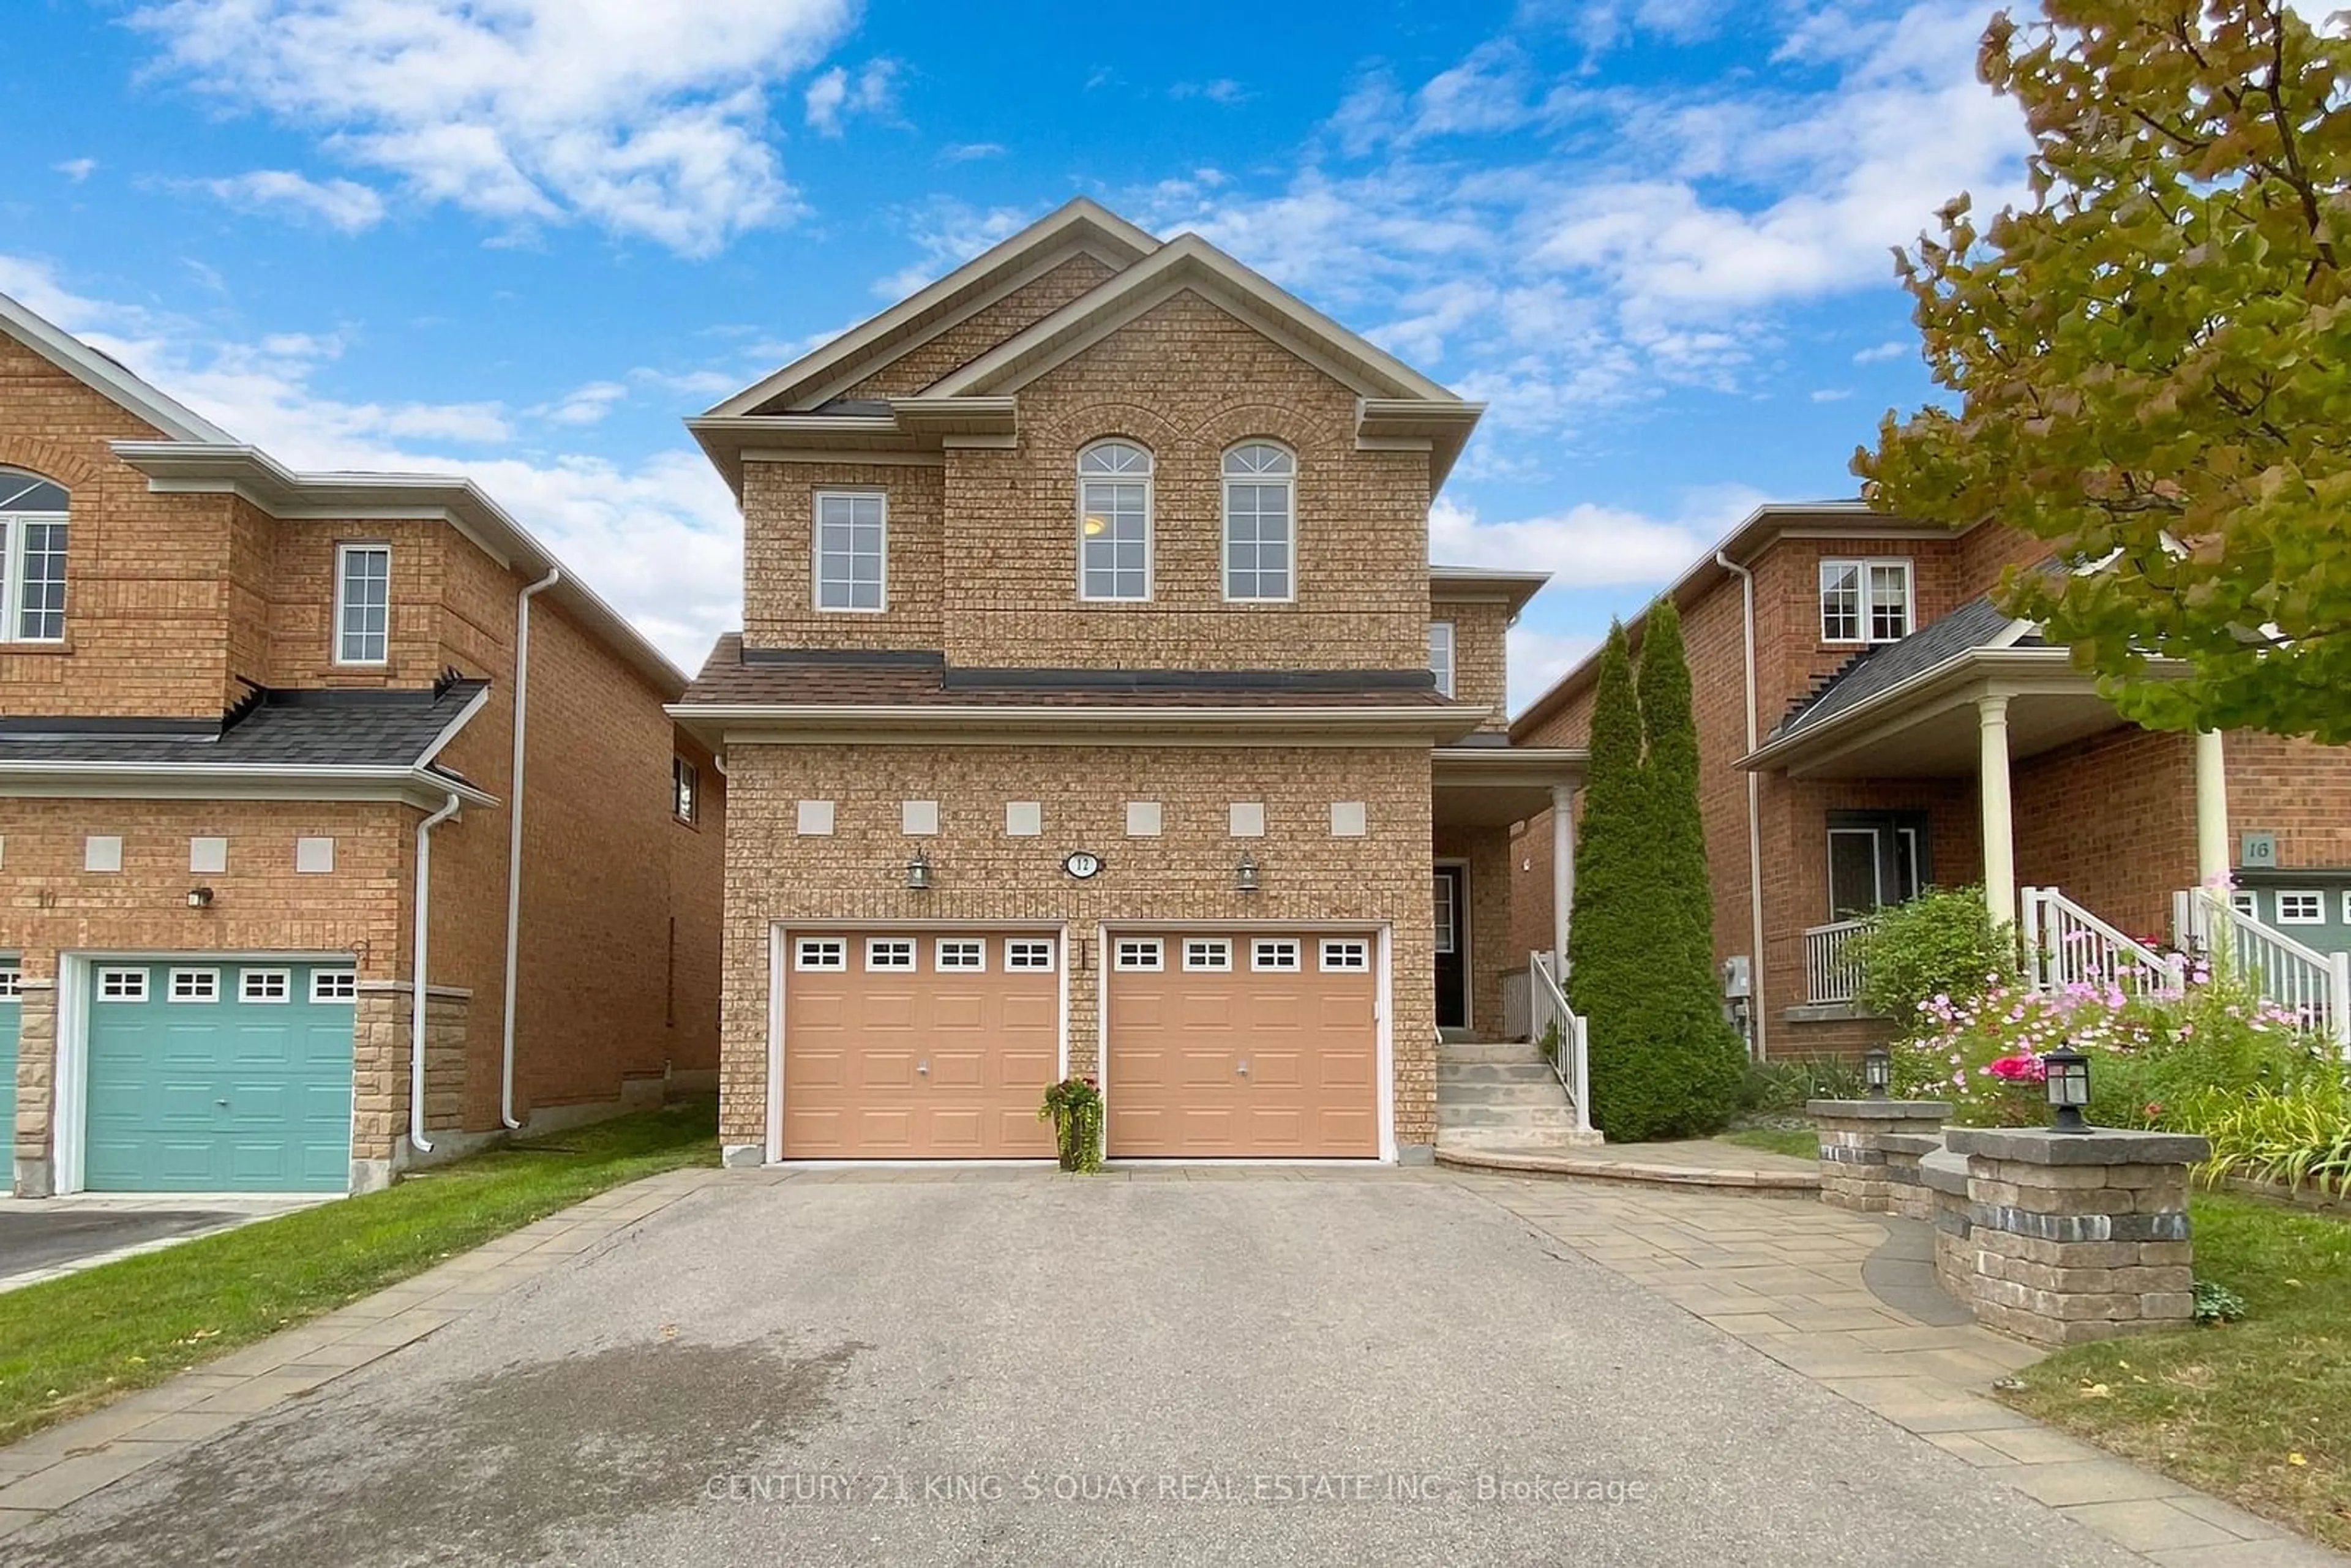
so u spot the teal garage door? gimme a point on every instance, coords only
(219, 1077)
(11, 1008)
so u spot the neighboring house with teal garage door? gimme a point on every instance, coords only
(276, 751)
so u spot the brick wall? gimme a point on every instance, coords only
(982, 331)
(2299, 791)
(1480, 656)
(779, 552)
(2112, 821)
(1186, 873)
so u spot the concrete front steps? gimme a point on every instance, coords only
(1495, 1097)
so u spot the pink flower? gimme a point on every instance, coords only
(2019, 1069)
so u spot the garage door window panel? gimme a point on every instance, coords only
(1142, 954)
(122, 985)
(821, 953)
(967, 954)
(265, 985)
(1213, 955)
(1350, 955)
(890, 953)
(195, 985)
(330, 986)
(1029, 955)
(1276, 955)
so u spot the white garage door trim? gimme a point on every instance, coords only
(1383, 1023)
(779, 972)
(69, 1093)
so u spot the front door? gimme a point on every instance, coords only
(1452, 949)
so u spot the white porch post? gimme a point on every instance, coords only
(2212, 855)
(1562, 871)
(1999, 820)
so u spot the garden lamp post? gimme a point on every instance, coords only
(2068, 1085)
(1877, 1070)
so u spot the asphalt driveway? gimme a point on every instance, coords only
(1370, 1368)
(46, 1234)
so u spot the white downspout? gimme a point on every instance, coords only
(1755, 1008)
(514, 838)
(421, 917)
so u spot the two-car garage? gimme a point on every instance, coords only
(939, 1043)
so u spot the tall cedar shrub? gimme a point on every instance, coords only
(1640, 950)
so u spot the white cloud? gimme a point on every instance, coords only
(1587, 545)
(525, 112)
(76, 169)
(585, 404)
(836, 95)
(971, 152)
(948, 233)
(344, 204)
(1889, 351)
(1830, 395)
(1537, 657)
(1223, 89)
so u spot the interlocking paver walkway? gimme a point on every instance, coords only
(1794, 1281)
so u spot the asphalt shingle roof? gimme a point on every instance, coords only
(283, 729)
(1972, 625)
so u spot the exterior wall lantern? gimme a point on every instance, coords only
(2068, 1085)
(1877, 1070)
(200, 898)
(1245, 874)
(918, 873)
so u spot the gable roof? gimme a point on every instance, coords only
(102, 374)
(1978, 623)
(1081, 227)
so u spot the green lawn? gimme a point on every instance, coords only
(68, 1345)
(2257, 1411)
(1802, 1143)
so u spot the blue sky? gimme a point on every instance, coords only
(523, 238)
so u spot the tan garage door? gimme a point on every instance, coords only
(1245, 1043)
(919, 1044)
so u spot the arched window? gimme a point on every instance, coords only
(1114, 521)
(32, 558)
(1260, 521)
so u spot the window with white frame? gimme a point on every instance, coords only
(1274, 953)
(821, 953)
(32, 558)
(962, 953)
(1345, 954)
(685, 789)
(1864, 601)
(334, 986)
(1023, 953)
(195, 985)
(889, 952)
(1210, 953)
(2300, 908)
(1440, 655)
(12, 982)
(851, 549)
(1260, 522)
(2247, 902)
(1114, 521)
(122, 985)
(264, 985)
(1138, 953)
(362, 604)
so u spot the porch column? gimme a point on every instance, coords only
(2212, 857)
(1999, 820)
(1562, 870)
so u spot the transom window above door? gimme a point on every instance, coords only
(852, 553)
(1261, 519)
(1864, 601)
(32, 558)
(1114, 521)
(1876, 859)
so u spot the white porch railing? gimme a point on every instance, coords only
(1517, 1005)
(2065, 945)
(1548, 1006)
(2314, 986)
(1830, 976)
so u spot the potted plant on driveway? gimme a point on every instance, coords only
(1075, 1107)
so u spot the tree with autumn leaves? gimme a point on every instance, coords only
(2153, 357)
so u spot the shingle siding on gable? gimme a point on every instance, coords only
(967, 339)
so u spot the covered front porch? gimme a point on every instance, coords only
(1477, 793)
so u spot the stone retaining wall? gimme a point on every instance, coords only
(1870, 1151)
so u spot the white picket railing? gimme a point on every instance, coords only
(1830, 976)
(1571, 1060)
(2314, 986)
(2065, 945)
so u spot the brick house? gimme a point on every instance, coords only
(1096, 712)
(1869, 723)
(262, 762)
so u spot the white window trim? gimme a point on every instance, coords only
(114, 975)
(692, 814)
(1122, 949)
(1445, 677)
(1221, 947)
(211, 978)
(816, 550)
(1149, 480)
(1862, 565)
(344, 549)
(12, 563)
(940, 947)
(1225, 482)
(1357, 952)
(320, 980)
(2248, 903)
(1043, 946)
(12, 981)
(246, 978)
(828, 962)
(2317, 916)
(876, 946)
(1296, 951)
(2346, 906)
